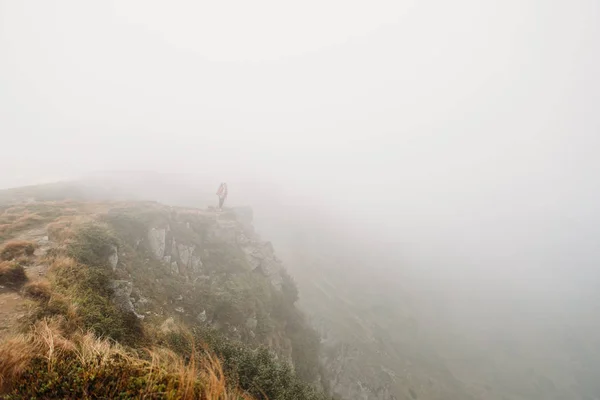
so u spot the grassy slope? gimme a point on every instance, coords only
(75, 317)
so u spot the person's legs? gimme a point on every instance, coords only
(221, 201)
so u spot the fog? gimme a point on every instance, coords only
(460, 137)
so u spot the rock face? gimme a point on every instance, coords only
(195, 264)
(180, 258)
(211, 270)
(156, 239)
(188, 259)
(202, 316)
(113, 258)
(259, 255)
(174, 268)
(122, 296)
(185, 253)
(232, 229)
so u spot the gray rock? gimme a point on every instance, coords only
(196, 264)
(253, 256)
(173, 248)
(122, 296)
(180, 310)
(261, 255)
(185, 253)
(156, 239)
(224, 231)
(174, 268)
(251, 323)
(113, 258)
(272, 269)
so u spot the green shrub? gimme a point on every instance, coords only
(92, 245)
(258, 372)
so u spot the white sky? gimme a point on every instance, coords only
(259, 30)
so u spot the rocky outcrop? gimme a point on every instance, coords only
(113, 257)
(225, 231)
(237, 230)
(157, 242)
(122, 296)
(189, 259)
(232, 229)
(262, 256)
(185, 253)
(174, 267)
(202, 316)
(180, 258)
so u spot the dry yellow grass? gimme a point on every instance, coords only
(19, 223)
(38, 290)
(12, 274)
(64, 228)
(17, 248)
(46, 346)
(60, 230)
(61, 262)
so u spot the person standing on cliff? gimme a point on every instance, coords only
(222, 193)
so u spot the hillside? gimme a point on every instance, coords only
(88, 286)
(371, 344)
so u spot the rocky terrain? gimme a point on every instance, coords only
(129, 271)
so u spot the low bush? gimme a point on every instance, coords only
(92, 244)
(258, 371)
(39, 290)
(255, 371)
(12, 274)
(17, 248)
